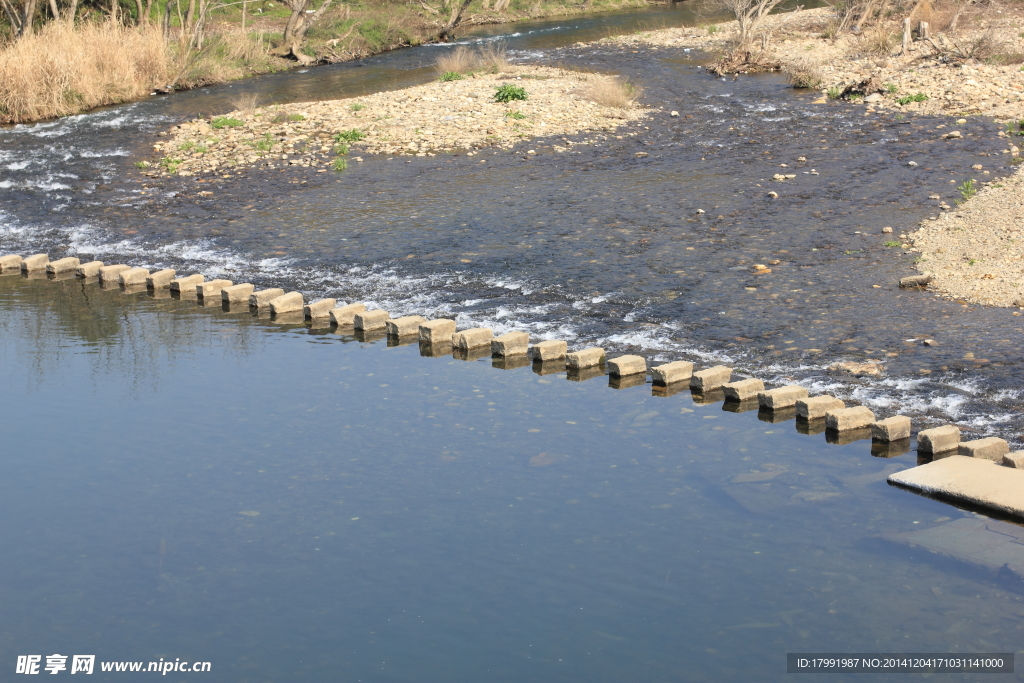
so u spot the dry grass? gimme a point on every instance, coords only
(805, 73)
(881, 40)
(64, 70)
(246, 104)
(462, 60)
(611, 91)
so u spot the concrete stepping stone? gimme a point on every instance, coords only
(896, 428)
(816, 407)
(743, 390)
(473, 338)
(626, 366)
(262, 298)
(90, 269)
(938, 439)
(710, 378)
(510, 344)
(186, 284)
(343, 316)
(782, 397)
(64, 265)
(549, 350)
(587, 358)
(672, 373)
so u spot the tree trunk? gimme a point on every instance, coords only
(28, 13)
(54, 12)
(446, 33)
(906, 36)
(244, 7)
(189, 15)
(13, 16)
(139, 9)
(71, 12)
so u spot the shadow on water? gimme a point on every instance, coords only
(295, 506)
(602, 243)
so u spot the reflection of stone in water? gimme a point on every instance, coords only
(510, 362)
(776, 416)
(989, 543)
(551, 367)
(475, 353)
(666, 390)
(747, 477)
(542, 459)
(890, 449)
(627, 382)
(583, 374)
(235, 306)
(810, 427)
(441, 350)
(168, 583)
(66, 275)
(741, 406)
(848, 436)
(815, 496)
(365, 335)
(704, 398)
(179, 295)
(406, 340)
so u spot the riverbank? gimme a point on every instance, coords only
(424, 120)
(933, 78)
(64, 69)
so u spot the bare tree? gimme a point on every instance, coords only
(298, 25)
(448, 31)
(749, 15)
(20, 17)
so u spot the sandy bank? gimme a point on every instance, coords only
(421, 120)
(958, 87)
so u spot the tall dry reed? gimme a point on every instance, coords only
(64, 69)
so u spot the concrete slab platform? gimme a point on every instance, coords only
(63, 265)
(815, 407)
(710, 378)
(346, 315)
(406, 326)
(161, 279)
(90, 269)
(624, 366)
(511, 344)
(782, 397)
(743, 389)
(187, 284)
(672, 373)
(550, 350)
(977, 481)
(237, 294)
(586, 358)
(473, 338)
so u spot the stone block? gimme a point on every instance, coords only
(90, 269)
(133, 277)
(262, 298)
(321, 308)
(939, 439)
(550, 350)
(405, 326)
(710, 378)
(1014, 459)
(237, 294)
(211, 289)
(161, 279)
(35, 262)
(743, 390)
(889, 449)
(63, 265)
(186, 284)
(915, 280)
(371, 320)
(113, 273)
(627, 381)
(974, 480)
(845, 419)
(512, 362)
(287, 303)
(781, 397)
(624, 366)
(473, 338)
(438, 331)
(587, 358)
(10, 262)
(344, 316)
(990, 448)
(510, 344)
(894, 428)
(670, 373)
(816, 407)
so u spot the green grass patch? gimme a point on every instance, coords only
(355, 106)
(890, 243)
(835, 93)
(967, 190)
(340, 164)
(508, 93)
(226, 122)
(517, 115)
(353, 135)
(450, 76)
(341, 149)
(916, 97)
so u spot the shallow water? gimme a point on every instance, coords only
(292, 504)
(594, 245)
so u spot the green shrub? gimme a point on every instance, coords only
(967, 190)
(891, 88)
(835, 93)
(355, 106)
(508, 92)
(264, 143)
(450, 76)
(286, 117)
(141, 164)
(353, 135)
(916, 97)
(341, 149)
(226, 122)
(340, 164)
